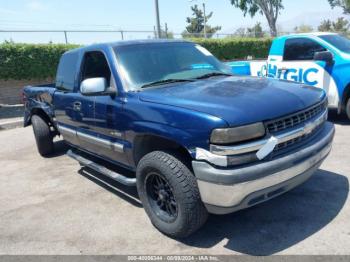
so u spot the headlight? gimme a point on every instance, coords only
(223, 136)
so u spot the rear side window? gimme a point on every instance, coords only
(298, 49)
(95, 65)
(66, 72)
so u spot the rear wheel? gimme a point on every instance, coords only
(43, 136)
(170, 195)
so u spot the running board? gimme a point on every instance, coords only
(102, 170)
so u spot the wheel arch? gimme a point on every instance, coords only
(41, 112)
(146, 143)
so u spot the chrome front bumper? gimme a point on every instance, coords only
(228, 190)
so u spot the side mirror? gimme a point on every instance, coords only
(325, 56)
(94, 86)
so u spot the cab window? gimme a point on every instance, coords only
(66, 72)
(299, 49)
(95, 65)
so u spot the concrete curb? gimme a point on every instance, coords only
(7, 124)
(11, 116)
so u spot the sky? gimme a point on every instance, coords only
(138, 15)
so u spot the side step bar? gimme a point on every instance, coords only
(101, 169)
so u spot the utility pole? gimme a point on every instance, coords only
(65, 37)
(166, 30)
(205, 22)
(159, 33)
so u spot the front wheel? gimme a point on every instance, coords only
(169, 193)
(347, 109)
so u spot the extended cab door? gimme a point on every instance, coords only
(298, 64)
(64, 98)
(74, 112)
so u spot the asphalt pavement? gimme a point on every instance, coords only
(52, 206)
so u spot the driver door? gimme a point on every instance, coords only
(100, 131)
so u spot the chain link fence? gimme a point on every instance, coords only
(93, 36)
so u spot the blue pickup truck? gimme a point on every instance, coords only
(198, 139)
(316, 59)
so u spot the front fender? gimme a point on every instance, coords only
(341, 77)
(185, 127)
(179, 136)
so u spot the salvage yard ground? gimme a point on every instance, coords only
(52, 206)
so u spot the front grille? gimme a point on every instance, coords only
(296, 119)
(295, 141)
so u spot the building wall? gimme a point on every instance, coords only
(11, 90)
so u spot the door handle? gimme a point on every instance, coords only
(77, 106)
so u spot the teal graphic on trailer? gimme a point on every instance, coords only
(317, 59)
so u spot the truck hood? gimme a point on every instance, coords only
(237, 100)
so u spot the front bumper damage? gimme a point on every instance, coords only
(226, 190)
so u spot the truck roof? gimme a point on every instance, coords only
(313, 34)
(129, 42)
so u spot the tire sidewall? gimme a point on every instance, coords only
(43, 136)
(347, 109)
(162, 170)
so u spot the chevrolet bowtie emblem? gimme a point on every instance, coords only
(309, 127)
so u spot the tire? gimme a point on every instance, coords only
(347, 109)
(180, 186)
(43, 136)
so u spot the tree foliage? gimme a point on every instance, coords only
(303, 28)
(196, 24)
(240, 32)
(325, 26)
(344, 4)
(255, 31)
(341, 25)
(269, 8)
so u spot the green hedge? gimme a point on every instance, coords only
(237, 48)
(39, 61)
(30, 61)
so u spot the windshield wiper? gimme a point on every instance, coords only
(213, 74)
(166, 81)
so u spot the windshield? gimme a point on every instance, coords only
(340, 42)
(142, 64)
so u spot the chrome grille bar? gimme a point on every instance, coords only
(307, 128)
